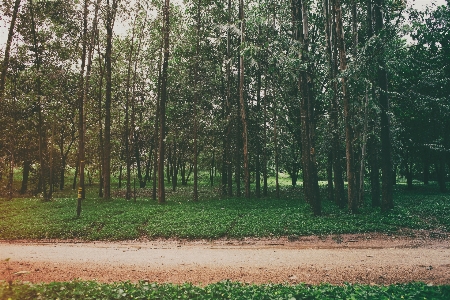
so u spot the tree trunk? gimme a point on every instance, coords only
(75, 176)
(81, 98)
(10, 187)
(25, 176)
(334, 116)
(196, 100)
(5, 63)
(305, 86)
(41, 130)
(162, 106)
(275, 141)
(142, 181)
(110, 17)
(243, 104)
(257, 133)
(409, 175)
(386, 155)
(265, 139)
(374, 171)
(349, 133)
(426, 166)
(100, 125)
(155, 135)
(440, 170)
(330, 190)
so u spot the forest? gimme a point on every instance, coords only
(339, 97)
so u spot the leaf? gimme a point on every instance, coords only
(21, 273)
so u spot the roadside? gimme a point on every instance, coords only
(355, 258)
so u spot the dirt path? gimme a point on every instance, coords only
(371, 259)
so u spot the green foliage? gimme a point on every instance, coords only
(220, 290)
(233, 218)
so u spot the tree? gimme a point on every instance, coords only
(386, 155)
(300, 11)
(162, 104)
(111, 10)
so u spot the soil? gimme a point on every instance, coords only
(364, 258)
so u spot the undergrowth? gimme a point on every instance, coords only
(119, 219)
(220, 290)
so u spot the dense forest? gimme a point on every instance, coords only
(341, 92)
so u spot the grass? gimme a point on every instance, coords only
(31, 218)
(220, 290)
(119, 219)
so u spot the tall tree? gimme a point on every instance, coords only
(300, 11)
(386, 155)
(162, 105)
(111, 10)
(242, 102)
(5, 63)
(81, 122)
(349, 132)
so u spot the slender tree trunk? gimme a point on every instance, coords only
(110, 17)
(81, 98)
(426, 167)
(100, 125)
(51, 174)
(265, 139)
(25, 176)
(330, 189)
(363, 149)
(41, 129)
(142, 181)
(155, 135)
(305, 86)
(243, 104)
(440, 170)
(196, 100)
(162, 106)
(334, 116)
(258, 142)
(75, 176)
(374, 172)
(349, 133)
(5, 63)
(386, 155)
(275, 141)
(227, 178)
(10, 187)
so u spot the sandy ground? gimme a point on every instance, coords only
(370, 259)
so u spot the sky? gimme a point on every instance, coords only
(4, 22)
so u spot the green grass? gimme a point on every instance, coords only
(119, 219)
(220, 290)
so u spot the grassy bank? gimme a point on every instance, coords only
(221, 290)
(118, 219)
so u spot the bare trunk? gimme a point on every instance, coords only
(349, 133)
(81, 98)
(386, 155)
(305, 86)
(338, 193)
(243, 105)
(196, 96)
(110, 16)
(41, 130)
(25, 175)
(162, 106)
(8, 49)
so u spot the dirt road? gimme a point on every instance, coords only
(371, 259)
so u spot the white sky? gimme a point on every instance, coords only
(4, 21)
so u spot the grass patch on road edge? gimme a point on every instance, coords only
(220, 290)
